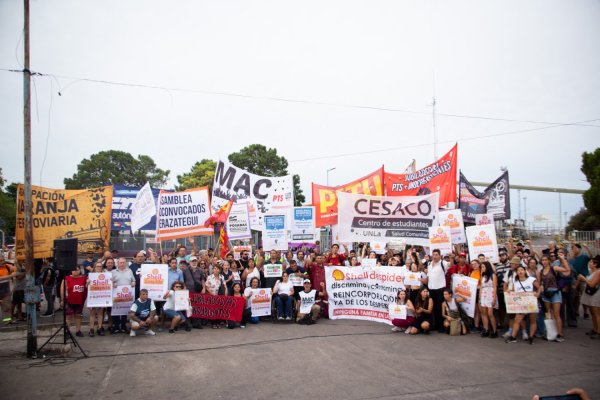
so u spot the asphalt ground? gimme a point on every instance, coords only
(341, 359)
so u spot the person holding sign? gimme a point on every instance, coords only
(524, 283)
(96, 313)
(122, 276)
(247, 316)
(308, 309)
(402, 312)
(215, 285)
(176, 311)
(488, 300)
(283, 291)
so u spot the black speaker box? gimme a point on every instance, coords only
(65, 253)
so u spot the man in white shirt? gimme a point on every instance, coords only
(436, 283)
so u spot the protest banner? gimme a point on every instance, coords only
(366, 218)
(440, 238)
(238, 222)
(261, 302)
(100, 289)
(154, 278)
(454, 220)
(303, 224)
(439, 176)
(412, 278)
(495, 199)
(122, 300)
(397, 311)
(482, 240)
(182, 300)
(272, 194)
(325, 200)
(208, 306)
(182, 214)
(272, 270)
(274, 232)
(521, 302)
(59, 214)
(467, 288)
(122, 207)
(484, 219)
(362, 292)
(143, 209)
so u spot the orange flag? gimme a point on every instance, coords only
(221, 215)
(223, 242)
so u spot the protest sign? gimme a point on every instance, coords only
(440, 238)
(467, 288)
(521, 302)
(237, 251)
(122, 207)
(208, 306)
(412, 278)
(368, 262)
(182, 300)
(272, 270)
(484, 219)
(303, 224)
(143, 209)
(182, 214)
(439, 176)
(238, 222)
(154, 278)
(58, 214)
(296, 280)
(495, 199)
(122, 300)
(454, 220)
(378, 247)
(325, 200)
(362, 292)
(397, 311)
(261, 302)
(482, 240)
(372, 218)
(253, 215)
(100, 290)
(272, 194)
(335, 238)
(274, 232)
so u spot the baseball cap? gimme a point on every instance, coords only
(193, 258)
(306, 281)
(462, 254)
(515, 260)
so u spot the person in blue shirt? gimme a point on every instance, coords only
(174, 273)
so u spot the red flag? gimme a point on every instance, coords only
(221, 215)
(223, 242)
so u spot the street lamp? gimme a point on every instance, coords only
(330, 169)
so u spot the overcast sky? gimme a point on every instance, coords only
(361, 74)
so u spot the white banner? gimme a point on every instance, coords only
(454, 220)
(261, 302)
(484, 219)
(182, 214)
(143, 208)
(122, 300)
(100, 290)
(365, 218)
(238, 222)
(303, 224)
(272, 194)
(274, 233)
(272, 270)
(154, 278)
(482, 240)
(467, 288)
(182, 300)
(362, 292)
(440, 238)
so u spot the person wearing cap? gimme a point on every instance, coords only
(193, 276)
(460, 268)
(308, 309)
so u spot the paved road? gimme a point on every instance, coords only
(340, 359)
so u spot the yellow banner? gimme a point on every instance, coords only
(60, 214)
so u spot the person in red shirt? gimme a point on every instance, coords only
(334, 257)
(316, 271)
(461, 268)
(75, 288)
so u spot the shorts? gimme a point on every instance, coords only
(74, 309)
(172, 314)
(556, 298)
(135, 324)
(18, 296)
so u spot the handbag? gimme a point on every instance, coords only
(589, 290)
(551, 329)
(548, 293)
(455, 327)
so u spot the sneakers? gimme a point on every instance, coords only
(288, 318)
(525, 336)
(484, 333)
(47, 315)
(243, 326)
(594, 335)
(132, 333)
(396, 329)
(511, 339)
(586, 316)
(531, 340)
(91, 334)
(78, 334)
(100, 332)
(494, 335)
(280, 318)
(507, 333)
(407, 331)
(559, 339)
(150, 332)
(171, 330)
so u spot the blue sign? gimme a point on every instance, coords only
(274, 222)
(123, 198)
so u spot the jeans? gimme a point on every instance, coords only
(282, 300)
(49, 299)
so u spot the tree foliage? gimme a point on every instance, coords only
(259, 160)
(116, 167)
(8, 206)
(202, 174)
(584, 220)
(591, 168)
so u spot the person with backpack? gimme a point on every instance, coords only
(48, 282)
(551, 294)
(436, 283)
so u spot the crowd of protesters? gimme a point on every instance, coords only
(565, 279)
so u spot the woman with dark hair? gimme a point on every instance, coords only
(523, 283)
(283, 292)
(591, 295)
(178, 317)
(403, 300)
(236, 291)
(476, 274)
(214, 284)
(551, 294)
(251, 272)
(488, 300)
(354, 261)
(451, 311)
(423, 310)
(254, 282)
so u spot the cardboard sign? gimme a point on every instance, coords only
(482, 240)
(454, 220)
(154, 278)
(100, 290)
(272, 270)
(182, 300)
(440, 238)
(122, 300)
(261, 302)
(521, 302)
(397, 311)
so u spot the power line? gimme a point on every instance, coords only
(286, 100)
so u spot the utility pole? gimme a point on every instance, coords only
(435, 138)
(29, 267)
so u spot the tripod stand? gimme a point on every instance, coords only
(67, 335)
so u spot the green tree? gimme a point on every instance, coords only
(116, 167)
(8, 206)
(202, 174)
(259, 160)
(584, 220)
(591, 168)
